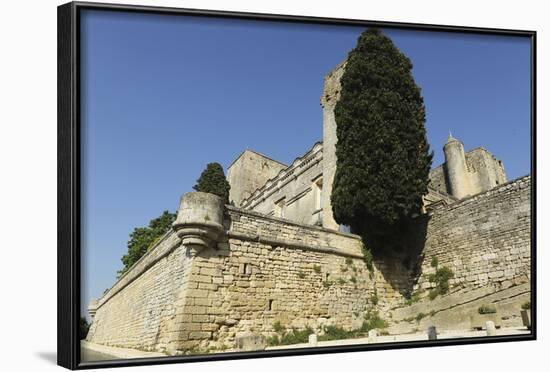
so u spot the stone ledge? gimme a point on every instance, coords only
(290, 244)
(241, 211)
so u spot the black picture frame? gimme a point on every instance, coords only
(69, 182)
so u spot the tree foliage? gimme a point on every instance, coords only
(213, 181)
(84, 328)
(143, 238)
(383, 158)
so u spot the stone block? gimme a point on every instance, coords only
(202, 278)
(199, 335)
(250, 342)
(201, 318)
(201, 293)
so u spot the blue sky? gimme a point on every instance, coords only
(162, 96)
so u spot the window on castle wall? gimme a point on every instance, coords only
(318, 193)
(270, 305)
(280, 208)
(327, 276)
(245, 269)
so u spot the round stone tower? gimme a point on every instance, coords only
(457, 170)
(200, 221)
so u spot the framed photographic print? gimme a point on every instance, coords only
(236, 185)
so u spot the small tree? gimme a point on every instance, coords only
(383, 158)
(84, 328)
(143, 238)
(213, 181)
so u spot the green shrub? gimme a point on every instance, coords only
(374, 298)
(301, 275)
(353, 279)
(487, 309)
(84, 328)
(317, 269)
(526, 305)
(433, 293)
(419, 317)
(373, 321)
(349, 261)
(327, 284)
(414, 297)
(278, 327)
(289, 338)
(336, 333)
(434, 262)
(441, 279)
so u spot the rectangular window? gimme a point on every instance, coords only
(280, 208)
(318, 193)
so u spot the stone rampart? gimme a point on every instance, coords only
(484, 239)
(241, 275)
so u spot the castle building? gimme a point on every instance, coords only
(225, 275)
(301, 191)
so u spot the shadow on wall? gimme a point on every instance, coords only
(399, 257)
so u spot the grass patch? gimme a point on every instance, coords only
(487, 309)
(317, 269)
(294, 336)
(373, 321)
(278, 327)
(374, 298)
(419, 317)
(327, 284)
(414, 297)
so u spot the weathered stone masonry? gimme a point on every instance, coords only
(263, 269)
(485, 238)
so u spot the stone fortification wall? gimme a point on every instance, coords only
(136, 311)
(259, 271)
(486, 241)
(221, 276)
(483, 239)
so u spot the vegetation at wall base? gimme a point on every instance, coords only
(144, 238)
(294, 336)
(212, 180)
(441, 279)
(372, 320)
(487, 309)
(383, 158)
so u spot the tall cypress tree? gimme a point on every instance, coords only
(383, 157)
(212, 180)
